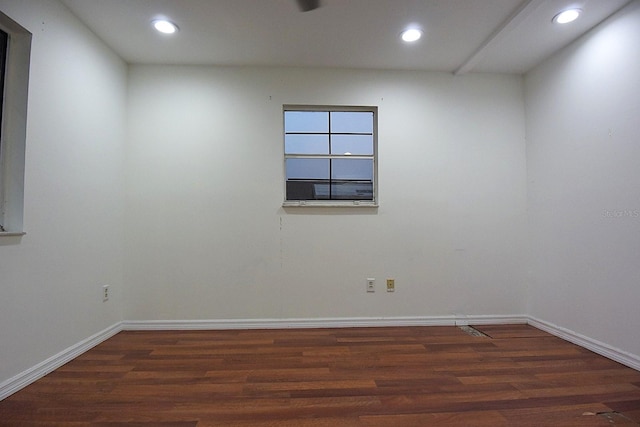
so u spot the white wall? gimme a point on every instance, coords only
(188, 213)
(583, 157)
(207, 237)
(74, 193)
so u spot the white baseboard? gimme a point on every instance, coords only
(496, 319)
(332, 322)
(620, 356)
(33, 374)
(357, 322)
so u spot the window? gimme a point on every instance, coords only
(15, 51)
(330, 156)
(4, 43)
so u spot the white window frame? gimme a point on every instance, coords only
(374, 157)
(14, 127)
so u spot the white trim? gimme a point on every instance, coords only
(14, 126)
(12, 233)
(38, 371)
(499, 319)
(354, 322)
(329, 204)
(336, 322)
(620, 356)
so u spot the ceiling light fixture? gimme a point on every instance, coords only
(411, 35)
(164, 26)
(567, 16)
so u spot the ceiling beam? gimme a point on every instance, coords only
(503, 30)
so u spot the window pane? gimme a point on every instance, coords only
(352, 169)
(307, 190)
(352, 122)
(306, 144)
(350, 190)
(306, 121)
(352, 144)
(307, 168)
(307, 179)
(321, 190)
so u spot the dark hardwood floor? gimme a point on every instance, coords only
(399, 376)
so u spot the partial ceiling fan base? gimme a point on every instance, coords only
(308, 5)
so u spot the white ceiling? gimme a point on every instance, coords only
(506, 36)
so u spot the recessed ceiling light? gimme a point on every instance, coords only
(411, 35)
(164, 26)
(567, 16)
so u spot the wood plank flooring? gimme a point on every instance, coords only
(398, 376)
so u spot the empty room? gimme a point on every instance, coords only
(320, 213)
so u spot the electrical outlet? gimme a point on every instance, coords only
(391, 285)
(105, 293)
(371, 285)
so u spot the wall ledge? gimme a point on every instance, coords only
(12, 233)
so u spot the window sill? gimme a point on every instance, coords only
(11, 233)
(327, 204)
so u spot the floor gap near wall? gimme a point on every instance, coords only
(470, 330)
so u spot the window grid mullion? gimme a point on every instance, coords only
(324, 133)
(330, 162)
(329, 156)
